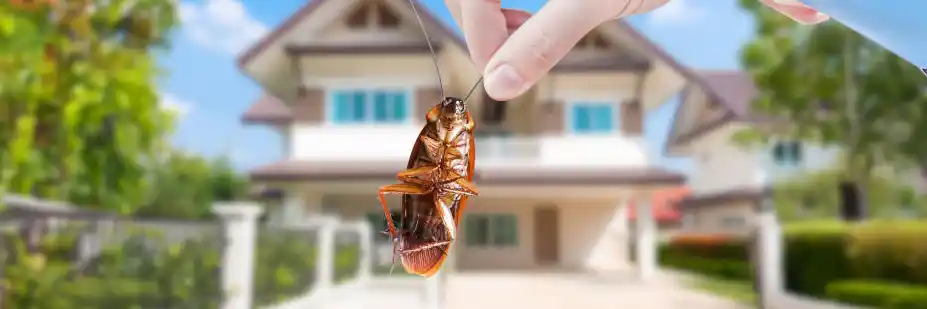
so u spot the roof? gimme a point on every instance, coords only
(664, 205)
(727, 197)
(294, 170)
(734, 91)
(264, 107)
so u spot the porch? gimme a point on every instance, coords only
(529, 224)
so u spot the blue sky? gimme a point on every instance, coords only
(206, 86)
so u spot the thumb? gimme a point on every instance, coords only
(544, 39)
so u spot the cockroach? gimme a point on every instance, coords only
(436, 183)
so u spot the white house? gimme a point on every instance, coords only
(347, 84)
(728, 179)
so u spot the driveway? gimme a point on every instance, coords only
(543, 290)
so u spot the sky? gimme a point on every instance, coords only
(204, 85)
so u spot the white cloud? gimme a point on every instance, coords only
(175, 105)
(220, 25)
(676, 12)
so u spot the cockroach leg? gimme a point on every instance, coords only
(416, 172)
(399, 188)
(432, 146)
(447, 216)
(464, 187)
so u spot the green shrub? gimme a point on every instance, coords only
(815, 254)
(723, 269)
(878, 294)
(894, 251)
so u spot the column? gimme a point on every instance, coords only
(769, 249)
(646, 239)
(240, 220)
(325, 262)
(365, 269)
(434, 287)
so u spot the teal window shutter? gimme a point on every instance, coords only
(505, 230)
(381, 110)
(400, 106)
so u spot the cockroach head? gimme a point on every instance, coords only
(452, 106)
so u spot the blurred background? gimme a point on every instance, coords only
(226, 154)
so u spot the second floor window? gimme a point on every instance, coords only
(787, 153)
(592, 118)
(370, 106)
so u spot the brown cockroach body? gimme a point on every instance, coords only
(435, 188)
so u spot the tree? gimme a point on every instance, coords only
(79, 114)
(835, 88)
(184, 186)
(815, 196)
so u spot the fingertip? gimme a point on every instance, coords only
(504, 83)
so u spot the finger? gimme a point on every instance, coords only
(539, 43)
(454, 7)
(796, 11)
(484, 28)
(514, 19)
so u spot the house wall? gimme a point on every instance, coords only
(719, 164)
(592, 235)
(729, 217)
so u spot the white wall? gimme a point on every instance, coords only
(721, 165)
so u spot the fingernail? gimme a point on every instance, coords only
(505, 82)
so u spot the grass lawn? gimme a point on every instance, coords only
(739, 291)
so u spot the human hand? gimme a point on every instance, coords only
(514, 61)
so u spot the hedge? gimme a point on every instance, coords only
(818, 255)
(878, 294)
(135, 274)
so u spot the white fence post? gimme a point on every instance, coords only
(646, 240)
(365, 268)
(325, 262)
(240, 220)
(433, 289)
(769, 245)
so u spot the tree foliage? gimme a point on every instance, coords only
(79, 112)
(186, 185)
(815, 196)
(835, 88)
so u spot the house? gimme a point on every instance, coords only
(728, 179)
(664, 204)
(347, 84)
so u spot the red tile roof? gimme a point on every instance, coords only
(663, 203)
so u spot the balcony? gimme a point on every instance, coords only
(394, 143)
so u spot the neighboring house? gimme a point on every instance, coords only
(728, 179)
(665, 208)
(347, 84)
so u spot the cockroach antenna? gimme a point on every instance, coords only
(473, 88)
(434, 56)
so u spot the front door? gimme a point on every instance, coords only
(547, 235)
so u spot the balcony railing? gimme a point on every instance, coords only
(508, 148)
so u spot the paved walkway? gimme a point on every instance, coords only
(565, 290)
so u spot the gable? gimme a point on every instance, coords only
(724, 96)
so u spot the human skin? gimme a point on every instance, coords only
(513, 61)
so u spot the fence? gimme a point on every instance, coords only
(56, 255)
(770, 278)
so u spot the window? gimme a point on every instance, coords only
(493, 111)
(592, 118)
(370, 106)
(491, 230)
(787, 153)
